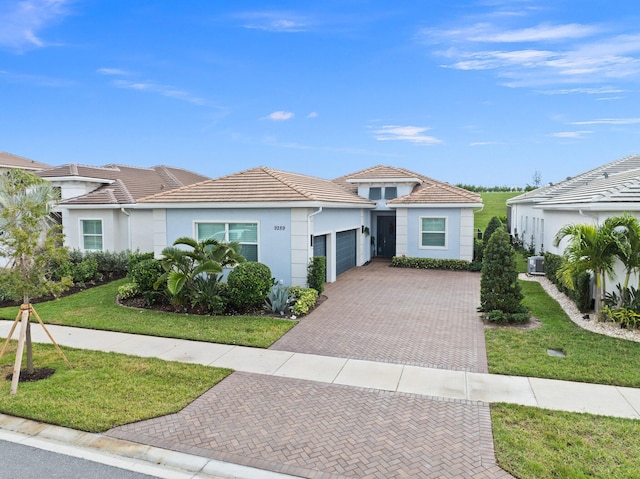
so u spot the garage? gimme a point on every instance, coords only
(345, 250)
(320, 245)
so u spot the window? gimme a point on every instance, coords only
(244, 233)
(375, 193)
(390, 192)
(92, 235)
(433, 232)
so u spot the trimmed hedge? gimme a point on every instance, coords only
(431, 263)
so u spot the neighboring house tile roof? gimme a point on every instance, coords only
(8, 160)
(261, 185)
(426, 191)
(122, 184)
(603, 184)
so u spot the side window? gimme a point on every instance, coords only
(390, 192)
(433, 232)
(92, 235)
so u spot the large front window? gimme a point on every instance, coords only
(433, 232)
(92, 235)
(244, 233)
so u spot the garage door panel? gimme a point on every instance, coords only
(345, 250)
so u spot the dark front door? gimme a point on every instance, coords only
(386, 236)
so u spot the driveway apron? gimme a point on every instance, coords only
(318, 430)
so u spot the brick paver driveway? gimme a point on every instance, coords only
(329, 431)
(398, 315)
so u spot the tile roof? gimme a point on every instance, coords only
(428, 191)
(260, 185)
(586, 184)
(8, 160)
(122, 184)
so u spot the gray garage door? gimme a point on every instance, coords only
(345, 250)
(320, 245)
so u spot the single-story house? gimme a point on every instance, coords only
(97, 204)
(610, 190)
(9, 161)
(282, 219)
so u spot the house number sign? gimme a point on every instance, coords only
(279, 228)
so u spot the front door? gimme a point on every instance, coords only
(386, 236)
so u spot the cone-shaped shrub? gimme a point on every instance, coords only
(500, 293)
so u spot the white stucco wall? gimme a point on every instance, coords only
(454, 229)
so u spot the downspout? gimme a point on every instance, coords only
(128, 228)
(309, 220)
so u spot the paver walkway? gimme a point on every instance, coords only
(317, 430)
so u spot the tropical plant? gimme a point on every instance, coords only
(182, 267)
(591, 248)
(304, 299)
(500, 293)
(279, 299)
(30, 239)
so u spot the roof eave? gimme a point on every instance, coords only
(252, 204)
(435, 205)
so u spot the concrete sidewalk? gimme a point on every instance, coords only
(487, 388)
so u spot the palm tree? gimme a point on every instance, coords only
(627, 238)
(590, 248)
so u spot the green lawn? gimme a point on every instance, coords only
(536, 443)
(103, 390)
(494, 205)
(96, 308)
(533, 443)
(590, 357)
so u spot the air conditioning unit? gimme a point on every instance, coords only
(536, 265)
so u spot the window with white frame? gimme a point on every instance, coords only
(92, 235)
(244, 233)
(433, 232)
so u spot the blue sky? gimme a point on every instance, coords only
(482, 92)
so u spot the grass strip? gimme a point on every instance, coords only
(532, 443)
(103, 390)
(96, 308)
(590, 357)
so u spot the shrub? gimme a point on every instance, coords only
(500, 317)
(581, 295)
(128, 291)
(80, 273)
(317, 273)
(111, 265)
(249, 283)
(499, 287)
(305, 299)
(478, 250)
(625, 317)
(430, 263)
(135, 258)
(494, 225)
(144, 274)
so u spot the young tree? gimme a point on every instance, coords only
(494, 224)
(29, 240)
(500, 293)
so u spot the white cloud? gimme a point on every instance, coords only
(280, 115)
(112, 71)
(572, 52)
(609, 121)
(163, 90)
(413, 134)
(484, 143)
(313, 114)
(574, 135)
(22, 21)
(274, 22)
(586, 91)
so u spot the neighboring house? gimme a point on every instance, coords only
(282, 219)
(9, 161)
(536, 217)
(98, 203)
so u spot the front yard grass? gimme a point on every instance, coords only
(96, 308)
(103, 390)
(532, 443)
(537, 443)
(590, 357)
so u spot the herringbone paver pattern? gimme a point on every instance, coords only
(419, 317)
(328, 431)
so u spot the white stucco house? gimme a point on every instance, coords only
(282, 219)
(97, 206)
(610, 190)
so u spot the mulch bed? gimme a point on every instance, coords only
(37, 375)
